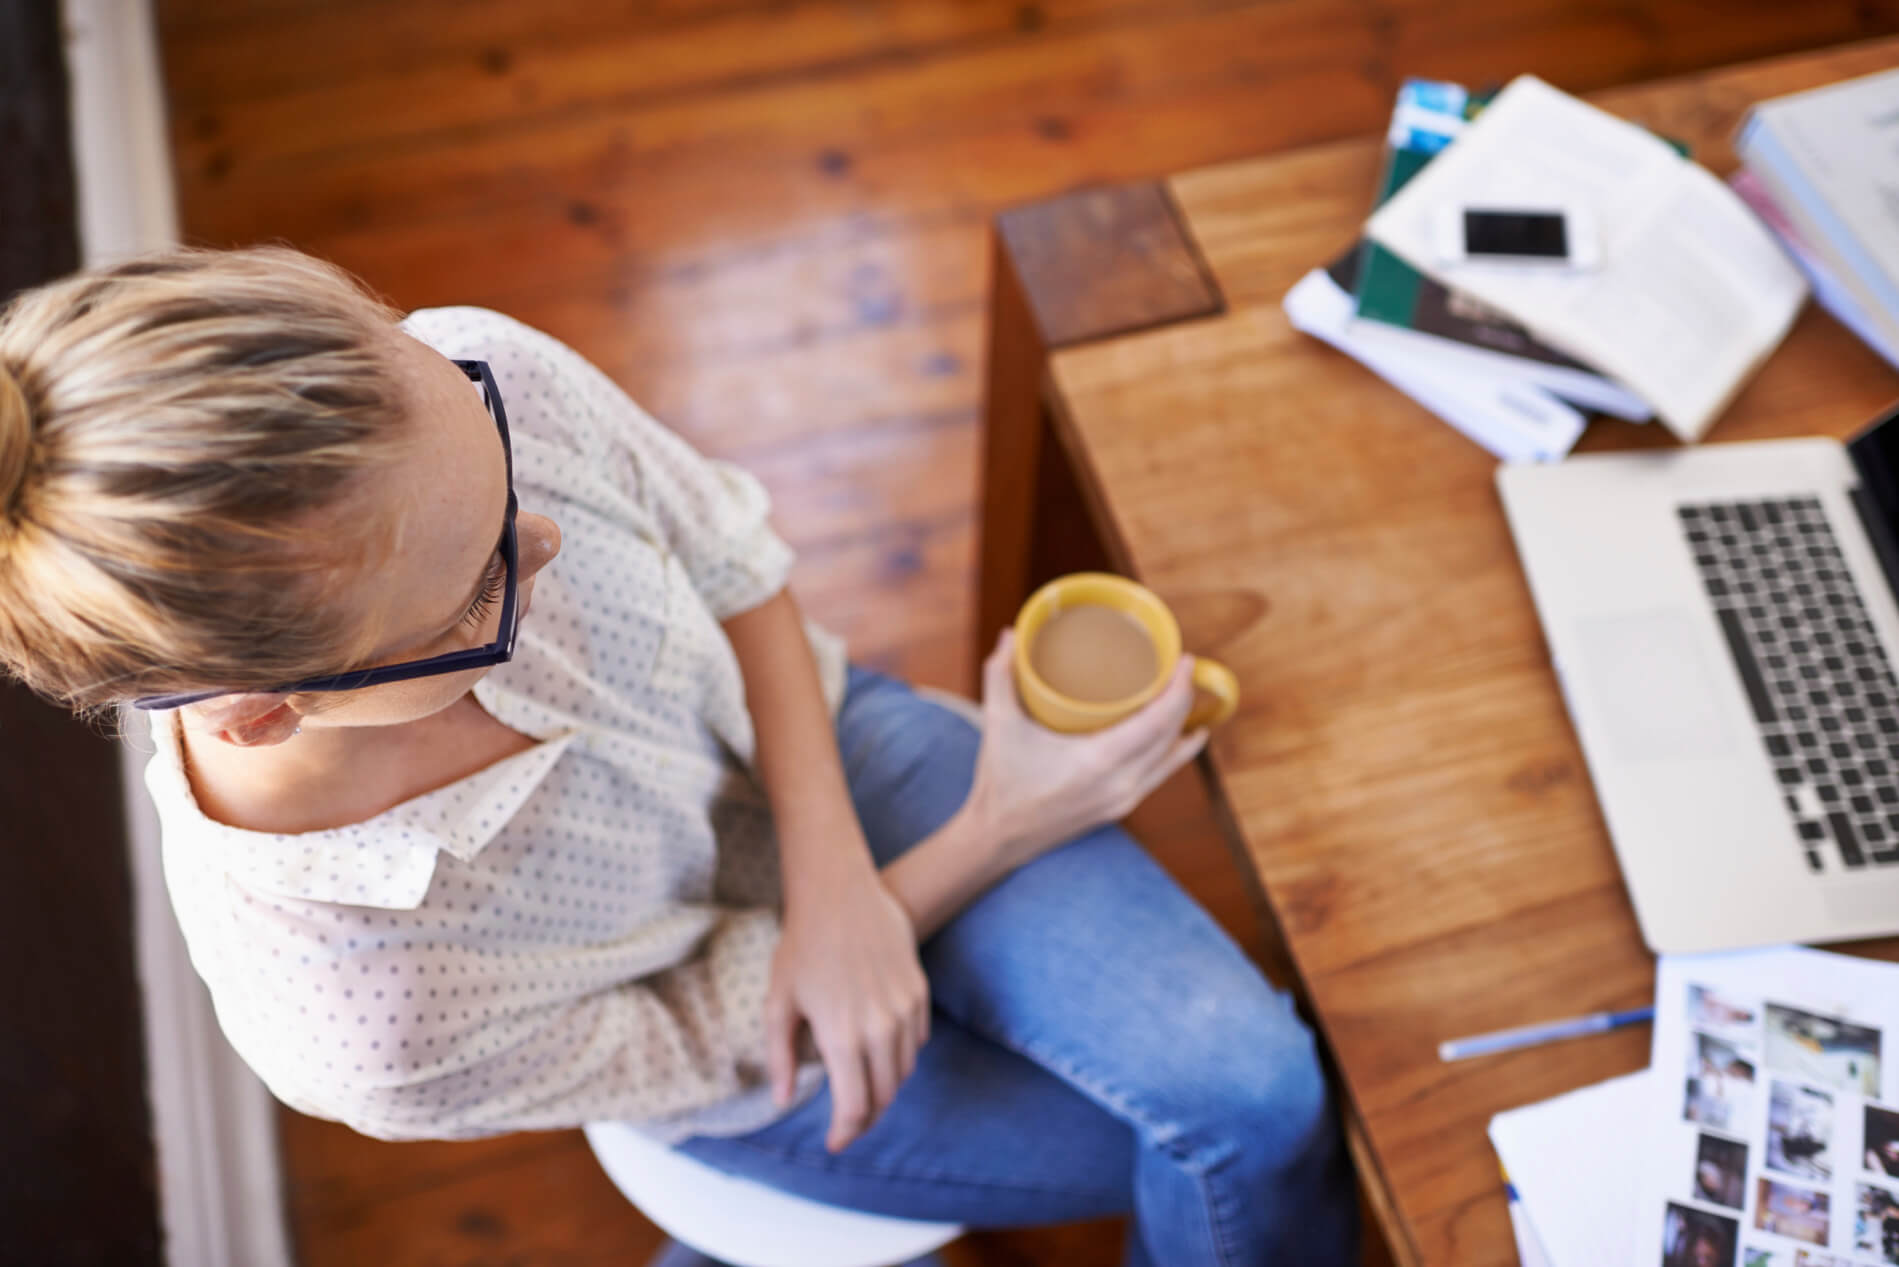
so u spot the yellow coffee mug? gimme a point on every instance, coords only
(1072, 716)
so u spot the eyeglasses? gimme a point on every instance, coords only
(497, 652)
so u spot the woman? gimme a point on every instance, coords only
(663, 858)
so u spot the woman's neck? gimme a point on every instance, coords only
(332, 776)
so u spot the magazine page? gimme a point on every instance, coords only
(1775, 1127)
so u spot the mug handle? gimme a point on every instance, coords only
(1216, 680)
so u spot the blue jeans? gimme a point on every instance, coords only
(1098, 1047)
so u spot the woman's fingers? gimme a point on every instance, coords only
(850, 1095)
(865, 1075)
(1177, 754)
(781, 1035)
(889, 1059)
(909, 1054)
(1157, 723)
(998, 677)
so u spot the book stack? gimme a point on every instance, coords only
(1691, 293)
(1822, 169)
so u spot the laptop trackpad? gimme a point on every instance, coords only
(1646, 677)
(1864, 902)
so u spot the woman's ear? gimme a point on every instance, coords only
(253, 720)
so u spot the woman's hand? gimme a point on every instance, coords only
(1035, 789)
(850, 970)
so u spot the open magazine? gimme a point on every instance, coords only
(1691, 293)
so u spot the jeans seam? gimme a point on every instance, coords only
(1191, 1166)
(1216, 1217)
(839, 1165)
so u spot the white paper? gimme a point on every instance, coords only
(1691, 293)
(1514, 420)
(1530, 1251)
(1581, 388)
(1774, 1134)
(1571, 1164)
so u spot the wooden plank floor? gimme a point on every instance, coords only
(766, 219)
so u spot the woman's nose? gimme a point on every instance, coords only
(538, 538)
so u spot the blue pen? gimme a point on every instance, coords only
(1548, 1032)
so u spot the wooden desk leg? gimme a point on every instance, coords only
(1085, 265)
(1385, 1240)
(1382, 1232)
(1037, 521)
(1014, 434)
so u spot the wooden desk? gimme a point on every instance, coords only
(1402, 774)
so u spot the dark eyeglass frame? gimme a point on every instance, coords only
(497, 652)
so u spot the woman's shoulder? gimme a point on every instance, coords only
(465, 331)
(513, 348)
(551, 393)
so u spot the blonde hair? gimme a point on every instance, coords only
(168, 428)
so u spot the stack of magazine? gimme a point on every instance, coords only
(1691, 294)
(1822, 169)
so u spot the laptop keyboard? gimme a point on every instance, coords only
(1821, 686)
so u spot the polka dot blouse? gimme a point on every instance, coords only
(584, 930)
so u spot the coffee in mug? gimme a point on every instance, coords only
(1092, 648)
(1094, 653)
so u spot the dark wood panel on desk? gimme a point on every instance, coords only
(768, 221)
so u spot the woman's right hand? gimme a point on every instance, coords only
(1035, 789)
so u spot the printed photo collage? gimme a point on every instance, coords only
(1794, 1163)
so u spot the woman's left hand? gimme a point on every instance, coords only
(849, 968)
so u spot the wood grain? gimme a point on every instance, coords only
(769, 222)
(1103, 262)
(1403, 769)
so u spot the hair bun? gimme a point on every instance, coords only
(16, 441)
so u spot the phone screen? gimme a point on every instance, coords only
(1534, 233)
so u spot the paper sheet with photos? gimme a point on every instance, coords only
(1776, 1136)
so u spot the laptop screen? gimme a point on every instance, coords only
(1875, 453)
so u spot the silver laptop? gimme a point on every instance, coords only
(1725, 625)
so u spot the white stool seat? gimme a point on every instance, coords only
(748, 1224)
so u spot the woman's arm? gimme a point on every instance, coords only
(847, 961)
(820, 842)
(1034, 790)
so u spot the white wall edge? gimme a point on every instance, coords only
(219, 1176)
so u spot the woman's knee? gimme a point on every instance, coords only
(1267, 1108)
(1294, 1108)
